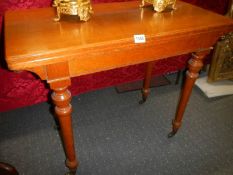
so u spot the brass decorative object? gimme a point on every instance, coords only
(160, 5)
(222, 62)
(221, 67)
(82, 8)
(230, 9)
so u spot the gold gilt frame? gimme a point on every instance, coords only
(221, 67)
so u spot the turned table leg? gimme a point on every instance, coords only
(147, 81)
(194, 66)
(61, 97)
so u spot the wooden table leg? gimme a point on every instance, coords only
(61, 97)
(194, 66)
(147, 81)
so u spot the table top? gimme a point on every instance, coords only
(106, 41)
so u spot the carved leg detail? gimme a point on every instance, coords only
(147, 82)
(61, 98)
(195, 65)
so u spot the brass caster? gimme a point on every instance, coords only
(171, 134)
(56, 127)
(71, 173)
(142, 101)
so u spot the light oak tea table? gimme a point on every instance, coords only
(57, 51)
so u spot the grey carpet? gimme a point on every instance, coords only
(115, 135)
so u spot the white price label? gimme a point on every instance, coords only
(139, 38)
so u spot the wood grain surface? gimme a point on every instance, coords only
(105, 42)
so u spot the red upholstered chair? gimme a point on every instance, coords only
(6, 169)
(24, 88)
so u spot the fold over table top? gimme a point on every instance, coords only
(106, 41)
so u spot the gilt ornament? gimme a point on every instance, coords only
(82, 8)
(160, 5)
